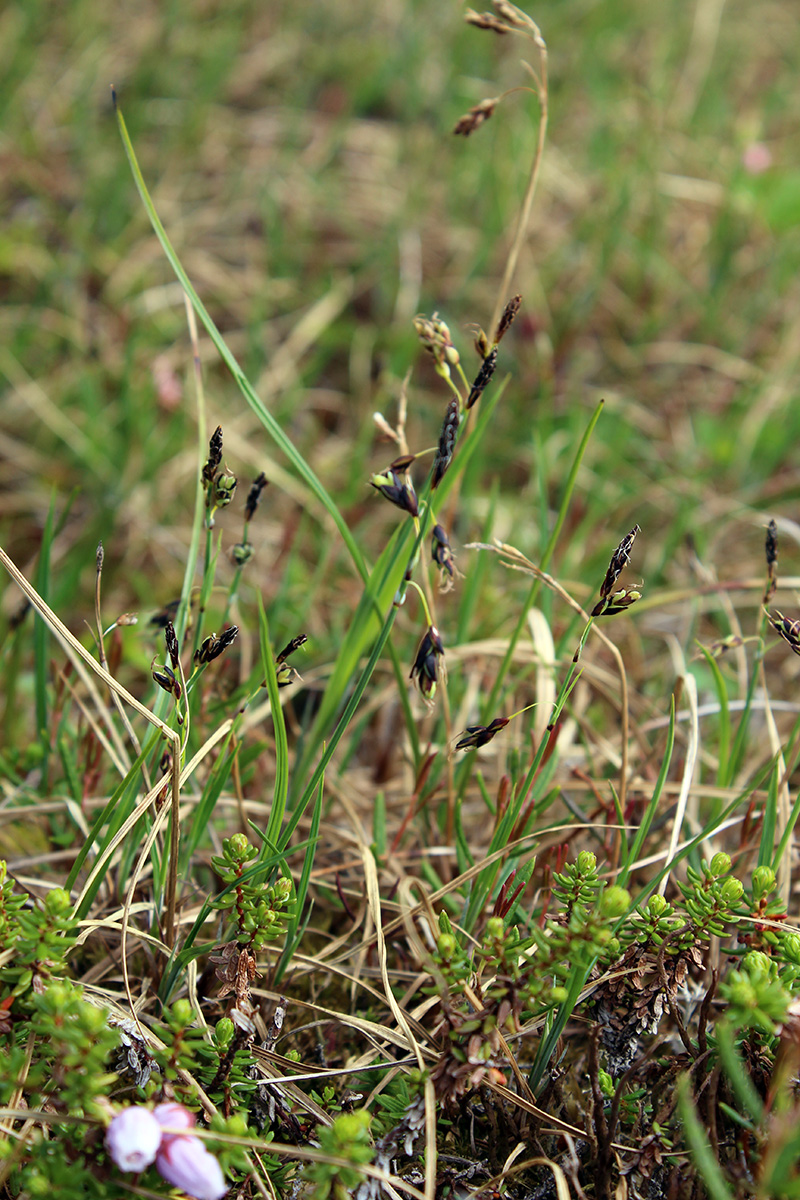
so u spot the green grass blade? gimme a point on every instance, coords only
(265, 417)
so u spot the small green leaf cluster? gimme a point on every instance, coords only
(259, 908)
(711, 899)
(347, 1138)
(225, 1067)
(710, 905)
(578, 885)
(755, 994)
(37, 940)
(183, 1047)
(453, 964)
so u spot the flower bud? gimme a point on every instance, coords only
(174, 1116)
(133, 1138)
(615, 901)
(763, 882)
(587, 862)
(657, 905)
(732, 891)
(224, 487)
(185, 1163)
(720, 864)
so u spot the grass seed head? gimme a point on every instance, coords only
(223, 488)
(483, 377)
(214, 456)
(397, 491)
(788, 630)
(213, 646)
(771, 548)
(478, 735)
(165, 678)
(441, 552)
(254, 495)
(427, 668)
(485, 21)
(476, 117)
(617, 602)
(507, 318)
(447, 441)
(619, 559)
(293, 645)
(434, 334)
(173, 649)
(241, 553)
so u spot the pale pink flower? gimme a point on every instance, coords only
(185, 1163)
(133, 1138)
(756, 158)
(174, 1116)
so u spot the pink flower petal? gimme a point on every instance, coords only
(133, 1138)
(185, 1163)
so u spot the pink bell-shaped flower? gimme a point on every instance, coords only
(133, 1138)
(185, 1163)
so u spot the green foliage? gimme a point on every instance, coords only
(347, 1138)
(258, 908)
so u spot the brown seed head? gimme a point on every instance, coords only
(485, 21)
(441, 552)
(447, 441)
(478, 735)
(397, 491)
(483, 377)
(788, 630)
(214, 455)
(476, 116)
(616, 602)
(506, 318)
(254, 495)
(619, 559)
(293, 645)
(771, 548)
(171, 638)
(510, 13)
(213, 646)
(427, 668)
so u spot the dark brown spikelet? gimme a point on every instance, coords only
(478, 735)
(510, 13)
(213, 646)
(254, 495)
(476, 117)
(426, 668)
(165, 678)
(619, 559)
(173, 650)
(99, 557)
(507, 318)
(397, 491)
(441, 553)
(293, 645)
(616, 602)
(771, 548)
(483, 378)
(161, 619)
(485, 21)
(447, 442)
(214, 455)
(788, 630)
(402, 463)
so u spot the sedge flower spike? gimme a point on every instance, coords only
(184, 1162)
(133, 1138)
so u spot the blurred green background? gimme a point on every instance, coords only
(302, 160)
